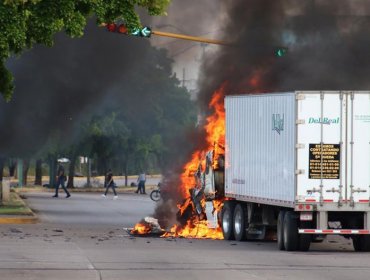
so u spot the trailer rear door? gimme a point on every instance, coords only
(333, 147)
(358, 143)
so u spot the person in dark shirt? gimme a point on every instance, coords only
(61, 179)
(109, 183)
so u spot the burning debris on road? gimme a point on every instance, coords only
(148, 226)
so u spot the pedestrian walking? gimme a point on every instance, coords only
(109, 183)
(141, 183)
(61, 179)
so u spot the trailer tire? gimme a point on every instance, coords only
(291, 236)
(361, 243)
(356, 240)
(240, 216)
(365, 243)
(227, 220)
(304, 242)
(305, 239)
(280, 230)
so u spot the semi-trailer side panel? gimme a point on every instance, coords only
(260, 148)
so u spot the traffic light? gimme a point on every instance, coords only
(122, 29)
(136, 32)
(145, 31)
(111, 27)
(280, 51)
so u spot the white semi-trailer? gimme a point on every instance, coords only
(295, 162)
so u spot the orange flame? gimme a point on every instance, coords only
(141, 228)
(195, 230)
(196, 226)
(215, 130)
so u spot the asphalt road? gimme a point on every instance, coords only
(83, 238)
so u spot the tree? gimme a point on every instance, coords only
(2, 163)
(38, 172)
(24, 23)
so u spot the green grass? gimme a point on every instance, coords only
(15, 210)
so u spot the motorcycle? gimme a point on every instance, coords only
(155, 195)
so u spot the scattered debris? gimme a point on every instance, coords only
(148, 227)
(15, 230)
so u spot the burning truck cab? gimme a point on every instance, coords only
(213, 177)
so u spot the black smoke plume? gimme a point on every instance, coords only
(328, 47)
(56, 87)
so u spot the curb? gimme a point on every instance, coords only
(19, 220)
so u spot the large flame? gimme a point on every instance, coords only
(196, 226)
(215, 140)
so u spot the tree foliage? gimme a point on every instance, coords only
(147, 115)
(111, 98)
(24, 23)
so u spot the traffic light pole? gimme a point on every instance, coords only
(186, 37)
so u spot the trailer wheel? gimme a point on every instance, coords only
(305, 239)
(304, 242)
(361, 243)
(228, 220)
(291, 237)
(280, 230)
(356, 240)
(365, 242)
(240, 216)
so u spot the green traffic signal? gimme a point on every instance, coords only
(136, 32)
(143, 32)
(280, 51)
(146, 31)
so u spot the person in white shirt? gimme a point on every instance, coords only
(141, 183)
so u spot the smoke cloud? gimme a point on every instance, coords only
(58, 87)
(327, 47)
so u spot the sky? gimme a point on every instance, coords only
(191, 17)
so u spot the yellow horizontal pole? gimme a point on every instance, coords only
(190, 38)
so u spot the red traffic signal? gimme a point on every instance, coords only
(122, 29)
(111, 27)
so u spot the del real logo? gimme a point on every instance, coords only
(327, 121)
(278, 122)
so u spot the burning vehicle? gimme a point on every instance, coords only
(272, 170)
